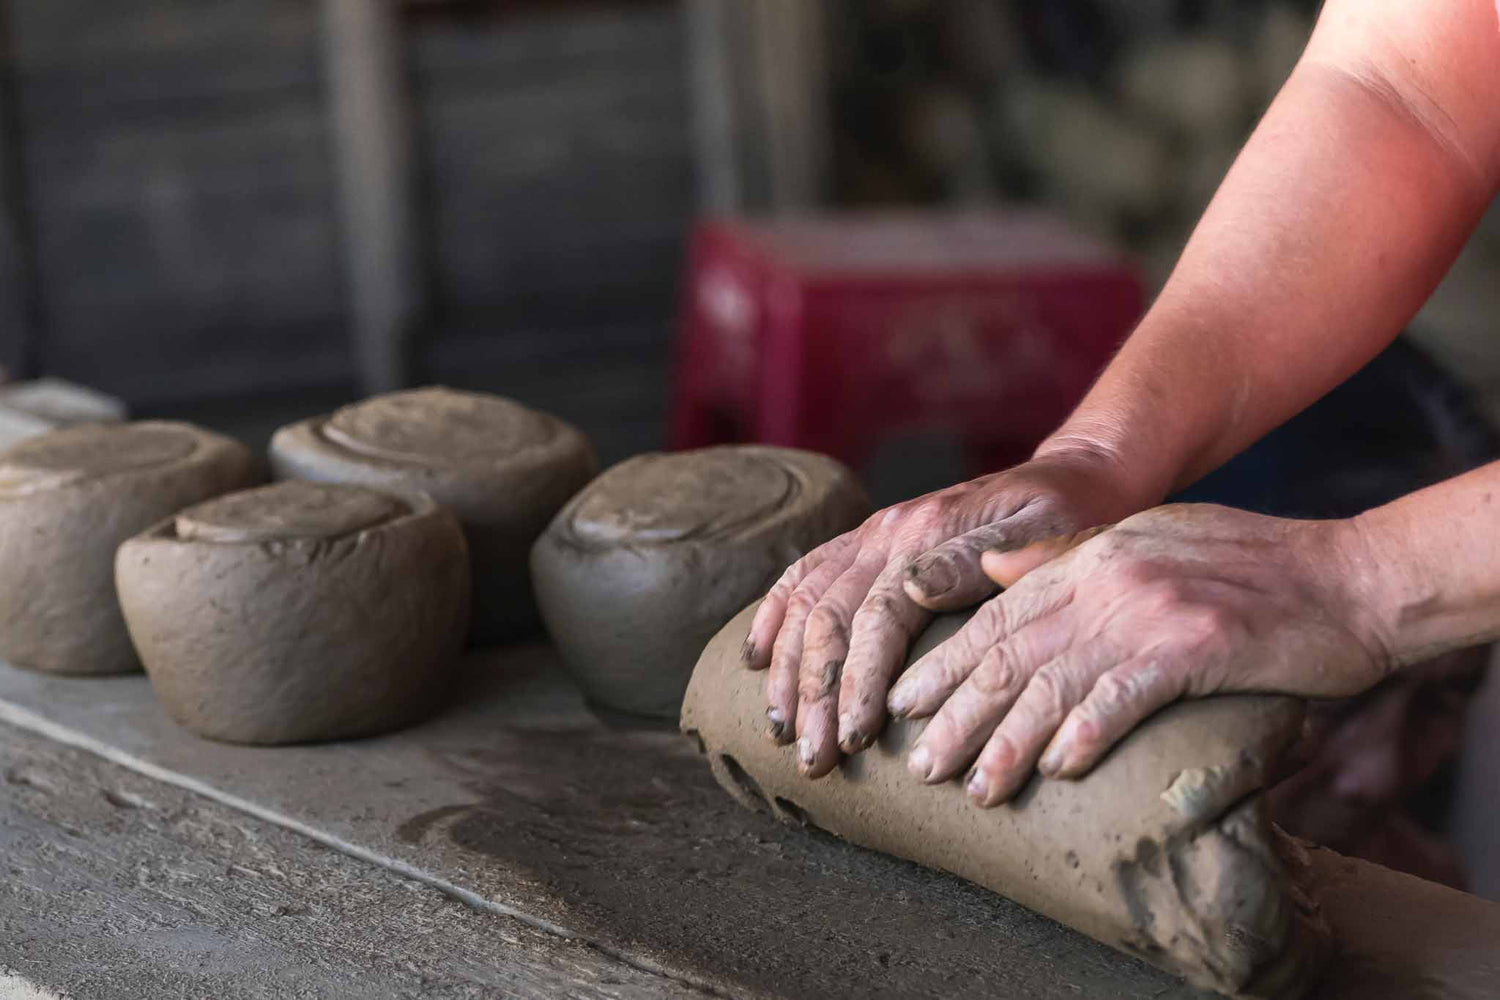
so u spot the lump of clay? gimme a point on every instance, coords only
(639, 570)
(298, 611)
(1164, 850)
(502, 468)
(68, 498)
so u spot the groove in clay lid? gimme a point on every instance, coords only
(288, 510)
(656, 499)
(91, 451)
(437, 426)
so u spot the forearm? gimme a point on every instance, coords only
(1427, 567)
(1338, 219)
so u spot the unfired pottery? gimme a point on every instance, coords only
(1164, 850)
(68, 498)
(502, 468)
(640, 569)
(298, 611)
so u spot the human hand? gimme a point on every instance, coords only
(1180, 601)
(835, 628)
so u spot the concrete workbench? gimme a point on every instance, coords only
(518, 846)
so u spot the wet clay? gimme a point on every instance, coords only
(640, 569)
(1163, 851)
(68, 498)
(298, 611)
(502, 468)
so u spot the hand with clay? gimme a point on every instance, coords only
(1097, 631)
(836, 626)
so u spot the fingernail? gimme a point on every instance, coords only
(777, 729)
(1055, 754)
(851, 740)
(1051, 762)
(900, 701)
(805, 752)
(977, 785)
(934, 578)
(747, 651)
(920, 762)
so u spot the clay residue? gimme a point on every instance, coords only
(91, 451)
(284, 511)
(701, 496)
(438, 426)
(1217, 898)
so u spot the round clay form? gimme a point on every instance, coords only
(640, 569)
(67, 500)
(502, 468)
(298, 611)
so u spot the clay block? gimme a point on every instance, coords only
(68, 498)
(1163, 851)
(502, 468)
(643, 566)
(298, 611)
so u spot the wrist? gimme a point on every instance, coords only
(1114, 484)
(1350, 554)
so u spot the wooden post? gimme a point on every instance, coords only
(758, 75)
(373, 156)
(22, 319)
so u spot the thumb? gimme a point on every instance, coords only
(1005, 568)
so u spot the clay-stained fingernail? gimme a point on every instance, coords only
(934, 577)
(851, 738)
(747, 651)
(977, 785)
(920, 762)
(805, 753)
(901, 701)
(778, 729)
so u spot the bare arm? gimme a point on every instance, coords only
(1339, 217)
(1344, 210)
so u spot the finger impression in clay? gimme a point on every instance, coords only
(502, 468)
(298, 611)
(653, 557)
(67, 500)
(1164, 850)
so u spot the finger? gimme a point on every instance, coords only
(1007, 567)
(966, 720)
(766, 625)
(929, 682)
(786, 652)
(1120, 700)
(825, 647)
(880, 633)
(1009, 758)
(949, 576)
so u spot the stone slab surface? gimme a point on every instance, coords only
(519, 802)
(116, 885)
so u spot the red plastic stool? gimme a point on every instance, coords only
(835, 333)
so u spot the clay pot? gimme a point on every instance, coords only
(643, 566)
(298, 611)
(68, 498)
(502, 468)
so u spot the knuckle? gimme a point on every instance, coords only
(827, 624)
(1053, 687)
(997, 675)
(1110, 692)
(802, 602)
(881, 607)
